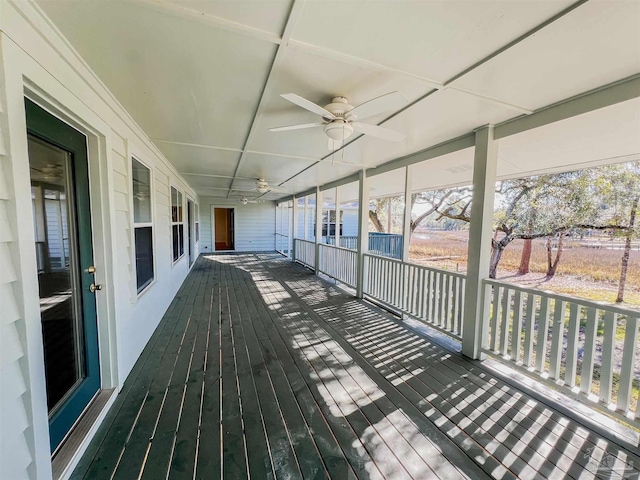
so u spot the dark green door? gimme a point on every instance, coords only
(64, 252)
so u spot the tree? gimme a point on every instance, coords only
(540, 206)
(627, 250)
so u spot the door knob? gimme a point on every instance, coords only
(93, 287)
(91, 269)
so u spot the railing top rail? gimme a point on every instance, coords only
(303, 240)
(324, 245)
(565, 298)
(416, 265)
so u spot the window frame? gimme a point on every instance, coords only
(196, 222)
(180, 196)
(134, 225)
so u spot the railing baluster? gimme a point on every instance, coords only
(606, 369)
(530, 327)
(628, 361)
(571, 362)
(586, 370)
(543, 333)
(505, 317)
(456, 304)
(557, 339)
(516, 333)
(497, 291)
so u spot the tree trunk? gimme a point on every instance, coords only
(373, 216)
(525, 259)
(627, 251)
(552, 263)
(496, 254)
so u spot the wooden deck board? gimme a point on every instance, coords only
(261, 368)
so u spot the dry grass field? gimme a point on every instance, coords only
(584, 272)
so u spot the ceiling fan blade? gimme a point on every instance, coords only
(390, 101)
(379, 132)
(296, 127)
(308, 105)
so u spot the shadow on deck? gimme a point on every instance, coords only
(261, 369)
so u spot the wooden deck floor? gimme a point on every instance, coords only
(261, 369)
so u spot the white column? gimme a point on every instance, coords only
(484, 180)
(406, 224)
(363, 229)
(318, 226)
(337, 216)
(294, 228)
(305, 220)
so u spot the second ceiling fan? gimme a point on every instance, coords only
(340, 120)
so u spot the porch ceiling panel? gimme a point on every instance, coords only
(269, 16)
(435, 39)
(443, 115)
(191, 159)
(210, 74)
(181, 79)
(598, 43)
(608, 135)
(200, 182)
(273, 168)
(319, 79)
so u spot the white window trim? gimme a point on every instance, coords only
(182, 195)
(196, 221)
(134, 225)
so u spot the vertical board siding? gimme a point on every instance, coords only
(255, 229)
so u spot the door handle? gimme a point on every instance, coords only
(93, 287)
(91, 269)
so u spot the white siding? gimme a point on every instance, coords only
(125, 320)
(254, 225)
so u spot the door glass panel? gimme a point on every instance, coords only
(58, 270)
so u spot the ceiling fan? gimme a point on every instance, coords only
(262, 187)
(340, 120)
(245, 200)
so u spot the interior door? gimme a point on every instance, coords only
(62, 223)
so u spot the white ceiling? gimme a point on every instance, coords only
(204, 78)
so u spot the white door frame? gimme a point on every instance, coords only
(213, 227)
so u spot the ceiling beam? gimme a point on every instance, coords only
(238, 150)
(294, 14)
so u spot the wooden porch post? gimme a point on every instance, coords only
(363, 230)
(305, 220)
(318, 227)
(406, 224)
(294, 229)
(337, 225)
(484, 180)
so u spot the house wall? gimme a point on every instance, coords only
(35, 59)
(254, 225)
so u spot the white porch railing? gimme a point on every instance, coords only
(305, 252)
(339, 263)
(282, 243)
(430, 294)
(587, 348)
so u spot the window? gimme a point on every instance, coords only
(197, 220)
(142, 224)
(177, 224)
